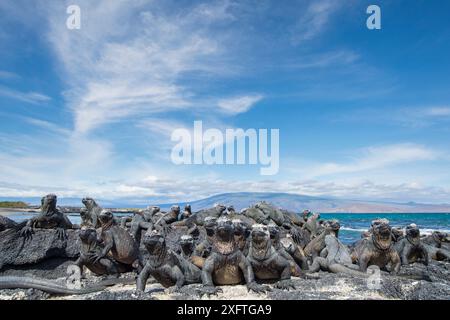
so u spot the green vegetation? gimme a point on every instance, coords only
(13, 204)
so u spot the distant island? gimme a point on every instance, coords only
(13, 204)
(240, 200)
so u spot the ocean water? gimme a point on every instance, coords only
(352, 224)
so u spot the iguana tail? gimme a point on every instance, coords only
(50, 286)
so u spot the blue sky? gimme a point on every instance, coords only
(362, 113)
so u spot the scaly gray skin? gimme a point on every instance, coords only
(312, 224)
(199, 217)
(267, 263)
(89, 216)
(142, 221)
(257, 215)
(167, 267)
(272, 212)
(241, 235)
(335, 257)
(49, 218)
(172, 215)
(11, 282)
(117, 241)
(187, 246)
(275, 237)
(187, 212)
(90, 249)
(316, 245)
(410, 249)
(435, 245)
(204, 249)
(227, 265)
(295, 251)
(377, 249)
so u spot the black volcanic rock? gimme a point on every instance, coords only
(17, 251)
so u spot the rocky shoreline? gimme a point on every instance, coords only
(211, 253)
(323, 286)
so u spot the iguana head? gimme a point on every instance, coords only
(106, 218)
(439, 236)
(260, 235)
(224, 229)
(397, 233)
(381, 234)
(48, 204)
(187, 244)
(88, 236)
(230, 210)
(187, 211)
(154, 242)
(220, 208)
(240, 228)
(210, 225)
(274, 231)
(413, 234)
(89, 203)
(332, 225)
(174, 211)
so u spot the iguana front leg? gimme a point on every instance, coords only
(179, 276)
(395, 260)
(108, 243)
(28, 230)
(208, 284)
(141, 281)
(249, 276)
(285, 282)
(364, 260)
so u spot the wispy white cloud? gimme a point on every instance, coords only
(375, 158)
(240, 104)
(117, 72)
(28, 97)
(314, 20)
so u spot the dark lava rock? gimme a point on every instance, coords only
(6, 223)
(17, 251)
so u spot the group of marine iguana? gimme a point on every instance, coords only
(219, 246)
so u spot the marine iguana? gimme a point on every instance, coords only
(204, 248)
(187, 246)
(241, 234)
(377, 249)
(167, 267)
(90, 249)
(199, 217)
(49, 218)
(335, 257)
(434, 244)
(226, 264)
(116, 241)
(268, 263)
(142, 220)
(275, 237)
(271, 212)
(312, 224)
(172, 215)
(295, 251)
(316, 245)
(410, 248)
(50, 286)
(89, 215)
(187, 212)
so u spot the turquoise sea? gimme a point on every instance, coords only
(352, 224)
